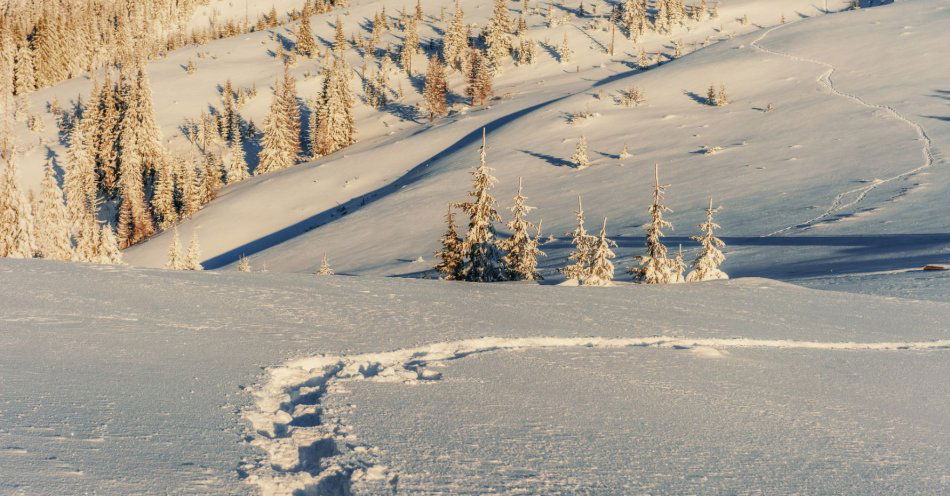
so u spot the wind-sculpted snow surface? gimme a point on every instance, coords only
(310, 451)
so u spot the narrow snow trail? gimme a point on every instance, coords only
(854, 196)
(311, 451)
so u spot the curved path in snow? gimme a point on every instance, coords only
(309, 451)
(854, 196)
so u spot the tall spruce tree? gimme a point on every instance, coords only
(276, 146)
(17, 233)
(336, 125)
(434, 92)
(479, 87)
(306, 45)
(654, 265)
(483, 260)
(53, 227)
(455, 41)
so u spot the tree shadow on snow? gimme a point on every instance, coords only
(555, 161)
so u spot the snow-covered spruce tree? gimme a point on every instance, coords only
(53, 226)
(479, 87)
(163, 197)
(244, 264)
(655, 266)
(583, 249)
(497, 42)
(450, 255)
(522, 248)
(455, 41)
(190, 192)
(336, 125)
(634, 19)
(716, 98)
(176, 260)
(306, 45)
(706, 265)
(483, 260)
(418, 13)
(435, 89)
(601, 272)
(109, 253)
(24, 82)
(17, 234)
(721, 96)
(580, 159)
(79, 178)
(325, 269)
(288, 98)
(339, 39)
(193, 257)
(527, 50)
(237, 162)
(564, 52)
(103, 118)
(229, 125)
(410, 45)
(276, 145)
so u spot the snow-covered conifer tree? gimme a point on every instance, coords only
(163, 197)
(193, 257)
(706, 265)
(237, 162)
(483, 261)
(601, 272)
(109, 253)
(583, 249)
(288, 97)
(306, 45)
(522, 248)
(580, 159)
(339, 39)
(527, 50)
(24, 81)
(435, 89)
(176, 260)
(564, 51)
(497, 42)
(625, 153)
(479, 87)
(276, 145)
(455, 41)
(325, 269)
(17, 234)
(410, 45)
(53, 226)
(79, 178)
(244, 264)
(336, 125)
(655, 266)
(451, 253)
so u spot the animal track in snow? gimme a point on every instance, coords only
(854, 196)
(310, 451)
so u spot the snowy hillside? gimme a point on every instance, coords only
(122, 381)
(843, 176)
(819, 367)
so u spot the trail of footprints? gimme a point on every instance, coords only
(311, 451)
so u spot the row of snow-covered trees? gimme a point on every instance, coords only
(481, 256)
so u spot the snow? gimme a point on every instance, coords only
(120, 380)
(136, 380)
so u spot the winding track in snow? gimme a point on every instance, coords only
(824, 79)
(309, 450)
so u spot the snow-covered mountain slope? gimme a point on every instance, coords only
(846, 175)
(138, 381)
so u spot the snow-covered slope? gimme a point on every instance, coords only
(124, 381)
(845, 175)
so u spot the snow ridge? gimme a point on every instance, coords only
(310, 451)
(840, 201)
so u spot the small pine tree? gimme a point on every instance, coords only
(601, 271)
(435, 89)
(564, 52)
(580, 159)
(237, 162)
(193, 257)
(717, 98)
(109, 253)
(483, 260)
(244, 264)
(583, 249)
(625, 153)
(176, 261)
(706, 265)
(522, 248)
(451, 252)
(325, 269)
